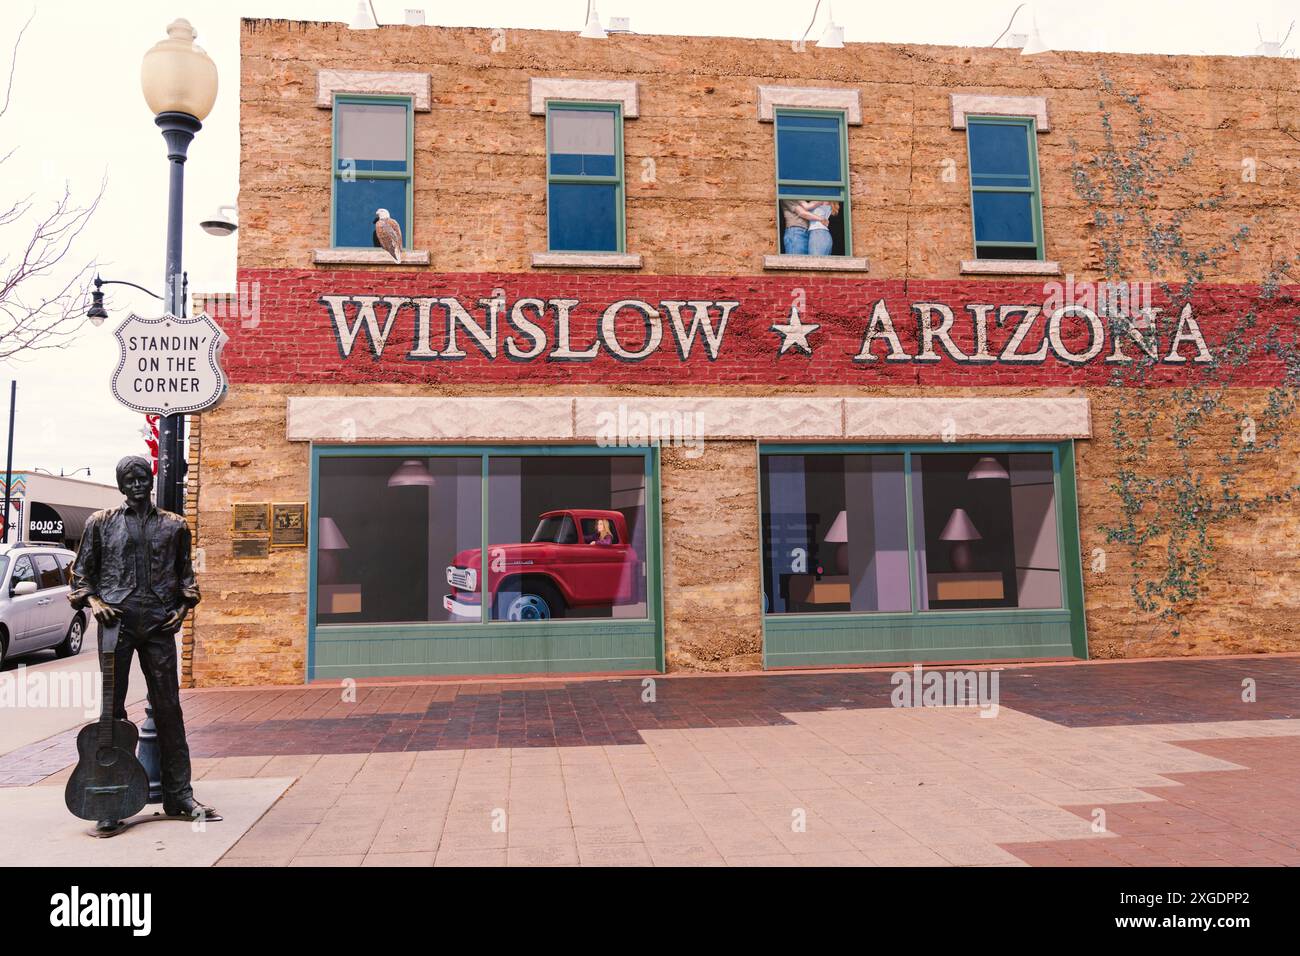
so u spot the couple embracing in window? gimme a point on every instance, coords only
(807, 226)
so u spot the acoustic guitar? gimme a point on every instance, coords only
(109, 782)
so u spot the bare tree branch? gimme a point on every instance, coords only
(13, 63)
(42, 293)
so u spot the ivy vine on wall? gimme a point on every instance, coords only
(1185, 453)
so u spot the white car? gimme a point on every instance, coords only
(34, 609)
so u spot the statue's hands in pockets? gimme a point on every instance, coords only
(176, 618)
(104, 613)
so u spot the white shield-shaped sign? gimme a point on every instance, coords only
(170, 366)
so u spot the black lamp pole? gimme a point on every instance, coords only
(178, 131)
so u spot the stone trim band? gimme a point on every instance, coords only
(330, 418)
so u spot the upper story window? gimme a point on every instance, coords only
(584, 176)
(812, 183)
(372, 167)
(1006, 208)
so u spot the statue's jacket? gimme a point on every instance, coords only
(105, 565)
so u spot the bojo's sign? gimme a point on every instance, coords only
(170, 366)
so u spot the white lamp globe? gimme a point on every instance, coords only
(177, 76)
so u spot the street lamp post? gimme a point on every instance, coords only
(179, 81)
(65, 474)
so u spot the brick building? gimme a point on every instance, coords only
(728, 354)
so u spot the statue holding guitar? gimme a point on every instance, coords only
(134, 571)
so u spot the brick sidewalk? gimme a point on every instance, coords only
(775, 769)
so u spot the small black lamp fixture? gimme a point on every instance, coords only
(97, 313)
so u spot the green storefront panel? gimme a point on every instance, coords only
(887, 640)
(555, 646)
(532, 648)
(919, 636)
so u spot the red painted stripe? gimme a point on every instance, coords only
(281, 332)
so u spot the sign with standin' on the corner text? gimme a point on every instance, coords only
(170, 366)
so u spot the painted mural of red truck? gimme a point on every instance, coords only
(577, 558)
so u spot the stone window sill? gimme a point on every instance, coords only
(586, 260)
(817, 263)
(368, 257)
(1009, 267)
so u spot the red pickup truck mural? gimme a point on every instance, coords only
(578, 557)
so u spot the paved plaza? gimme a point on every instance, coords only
(1113, 764)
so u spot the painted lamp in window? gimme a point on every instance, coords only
(988, 467)
(329, 541)
(961, 531)
(839, 536)
(411, 472)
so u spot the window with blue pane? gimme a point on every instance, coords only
(1006, 207)
(584, 166)
(812, 183)
(372, 168)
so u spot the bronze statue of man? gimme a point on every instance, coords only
(134, 566)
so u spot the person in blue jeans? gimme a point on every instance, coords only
(796, 215)
(819, 231)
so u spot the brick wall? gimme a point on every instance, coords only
(193, 458)
(703, 225)
(252, 625)
(293, 337)
(479, 201)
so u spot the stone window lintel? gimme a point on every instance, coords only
(376, 82)
(842, 98)
(544, 88)
(990, 104)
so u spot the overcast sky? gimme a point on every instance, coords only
(78, 116)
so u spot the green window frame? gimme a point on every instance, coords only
(797, 639)
(488, 646)
(1028, 250)
(814, 188)
(339, 176)
(587, 179)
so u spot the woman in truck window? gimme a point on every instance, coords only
(604, 535)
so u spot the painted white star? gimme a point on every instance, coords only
(794, 334)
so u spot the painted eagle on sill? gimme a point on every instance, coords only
(388, 234)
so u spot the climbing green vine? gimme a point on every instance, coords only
(1186, 453)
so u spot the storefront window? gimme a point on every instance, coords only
(834, 533)
(372, 168)
(567, 537)
(985, 531)
(387, 529)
